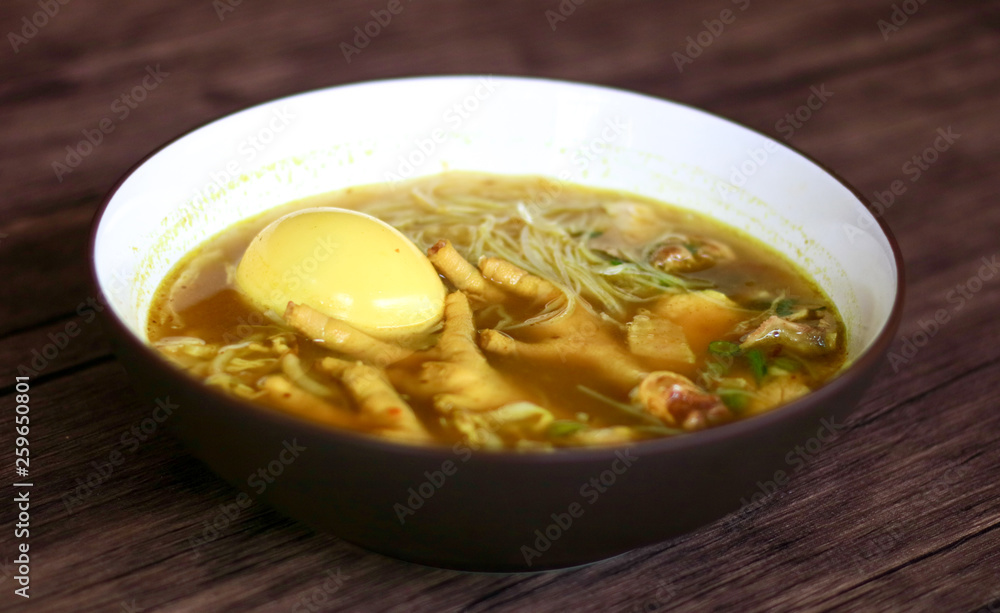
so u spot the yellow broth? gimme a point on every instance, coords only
(200, 299)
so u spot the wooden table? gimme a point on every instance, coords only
(899, 512)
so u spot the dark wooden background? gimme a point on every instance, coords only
(899, 512)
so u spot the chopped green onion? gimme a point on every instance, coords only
(564, 427)
(757, 364)
(725, 348)
(734, 399)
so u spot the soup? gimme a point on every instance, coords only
(500, 312)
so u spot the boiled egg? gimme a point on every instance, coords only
(347, 265)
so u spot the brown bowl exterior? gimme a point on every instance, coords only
(492, 511)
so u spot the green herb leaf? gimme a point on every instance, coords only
(658, 430)
(783, 308)
(735, 400)
(564, 427)
(596, 233)
(757, 364)
(725, 348)
(611, 259)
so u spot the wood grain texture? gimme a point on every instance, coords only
(899, 512)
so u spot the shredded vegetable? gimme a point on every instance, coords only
(550, 242)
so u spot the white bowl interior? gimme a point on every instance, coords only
(328, 139)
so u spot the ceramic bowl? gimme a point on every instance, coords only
(486, 510)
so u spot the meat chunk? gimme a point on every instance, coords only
(677, 401)
(588, 349)
(463, 275)
(705, 315)
(454, 373)
(806, 338)
(683, 254)
(341, 337)
(658, 339)
(574, 336)
(578, 337)
(280, 390)
(381, 407)
(775, 392)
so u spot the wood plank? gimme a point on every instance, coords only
(47, 255)
(51, 349)
(195, 93)
(820, 532)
